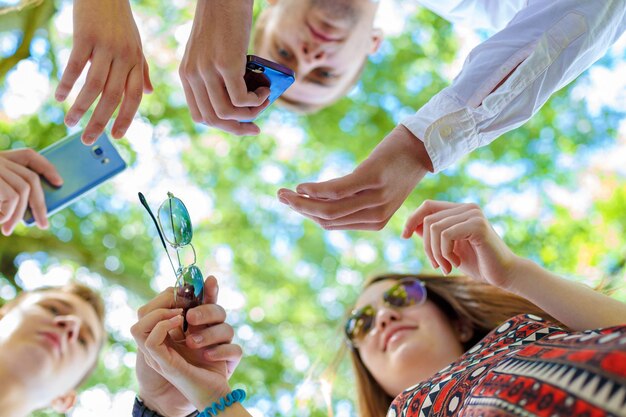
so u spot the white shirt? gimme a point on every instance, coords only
(542, 46)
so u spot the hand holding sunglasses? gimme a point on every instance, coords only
(459, 235)
(174, 227)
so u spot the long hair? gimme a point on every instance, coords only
(481, 306)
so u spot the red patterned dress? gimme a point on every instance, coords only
(527, 368)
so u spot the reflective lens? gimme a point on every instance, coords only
(408, 292)
(190, 285)
(360, 322)
(175, 222)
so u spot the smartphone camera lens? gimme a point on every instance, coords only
(97, 150)
(255, 67)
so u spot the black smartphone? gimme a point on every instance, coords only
(261, 72)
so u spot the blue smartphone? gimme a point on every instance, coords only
(261, 72)
(82, 168)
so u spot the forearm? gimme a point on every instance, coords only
(573, 304)
(507, 79)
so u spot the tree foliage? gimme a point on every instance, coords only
(288, 282)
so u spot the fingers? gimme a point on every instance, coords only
(223, 107)
(10, 199)
(96, 80)
(155, 340)
(36, 200)
(213, 335)
(336, 211)
(439, 235)
(238, 92)
(147, 82)
(36, 162)
(230, 353)
(21, 181)
(210, 118)
(165, 299)
(196, 116)
(206, 314)
(340, 188)
(147, 324)
(417, 218)
(210, 290)
(78, 59)
(132, 98)
(110, 99)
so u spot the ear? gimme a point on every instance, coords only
(464, 330)
(64, 403)
(377, 39)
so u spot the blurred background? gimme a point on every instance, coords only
(555, 189)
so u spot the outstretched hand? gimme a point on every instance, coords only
(460, 235)
(176, 378)
(106, 35)
(367, 198)
(213, 68)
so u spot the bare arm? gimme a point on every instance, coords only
(573, 304)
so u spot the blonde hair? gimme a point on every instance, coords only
(481, 306)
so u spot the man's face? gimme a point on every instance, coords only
(325, 42)
(54, 338)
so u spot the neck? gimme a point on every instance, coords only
(14, 398)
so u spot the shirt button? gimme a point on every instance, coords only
(446, 131)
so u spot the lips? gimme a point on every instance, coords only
(391, 332)
(54, 339)
(321, 36)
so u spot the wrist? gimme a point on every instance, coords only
(521, 276)
(210, 396)
(414, 148)
(162, 409)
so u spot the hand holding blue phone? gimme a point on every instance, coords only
(83, 168)
(20, 187)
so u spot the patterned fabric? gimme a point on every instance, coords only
(528, 368)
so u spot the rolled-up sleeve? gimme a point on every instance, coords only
(506, 79)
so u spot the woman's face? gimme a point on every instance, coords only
(405, 345)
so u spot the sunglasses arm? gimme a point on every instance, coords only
(144, 203)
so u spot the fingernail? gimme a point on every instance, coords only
(71, 120)
(60, 96)
(197, 338)
(283, 200)
(89, 137)
(175, 319)
(300, 190)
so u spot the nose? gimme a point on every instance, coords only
(386, 316)
(312, 51)
(70, 326)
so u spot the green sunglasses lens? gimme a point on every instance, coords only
(359, 323)
(192, 284)
(175, 222)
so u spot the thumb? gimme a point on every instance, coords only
(147, 83)
(338, 188)
(211, 290)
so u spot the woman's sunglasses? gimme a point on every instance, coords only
(408, 292)
(174, 227)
